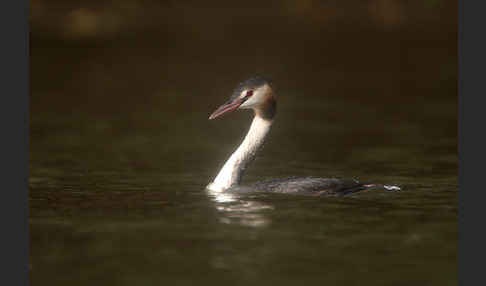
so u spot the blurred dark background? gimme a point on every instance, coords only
(104, 50)
(391, 60)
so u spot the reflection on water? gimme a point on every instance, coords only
(236, 209)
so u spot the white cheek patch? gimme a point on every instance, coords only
(248, 103)
(254, 100)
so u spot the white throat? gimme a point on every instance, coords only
(232, 171)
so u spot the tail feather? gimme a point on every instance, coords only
(390, 188)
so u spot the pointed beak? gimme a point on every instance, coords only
(225, 108)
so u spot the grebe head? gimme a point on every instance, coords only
(255, 93)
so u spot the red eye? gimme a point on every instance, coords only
(249, 93)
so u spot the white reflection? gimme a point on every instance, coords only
(236, 210)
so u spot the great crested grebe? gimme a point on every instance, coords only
(257, 93)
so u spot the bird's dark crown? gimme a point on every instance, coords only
(251, 83)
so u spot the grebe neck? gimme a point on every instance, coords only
(232, 171)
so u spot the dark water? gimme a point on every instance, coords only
(121, 150)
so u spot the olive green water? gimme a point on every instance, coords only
(121, 150)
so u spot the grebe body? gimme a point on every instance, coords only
(258, 94)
